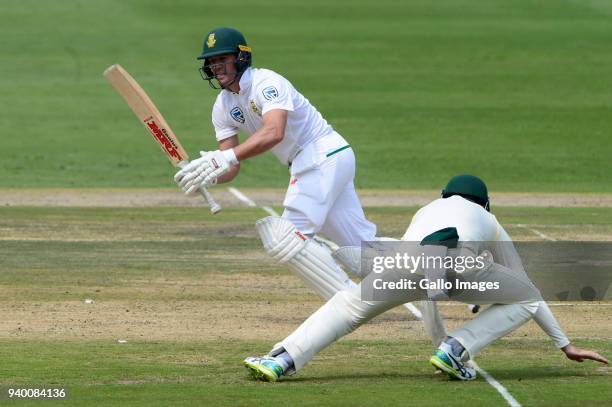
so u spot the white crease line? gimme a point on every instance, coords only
(242, 197)
(551, 239)
(496, 385)
(270, 211)
(415, 311)
(537, 232)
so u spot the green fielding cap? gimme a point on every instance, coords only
(467, 184)
(223, 40)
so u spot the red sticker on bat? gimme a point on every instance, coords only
(161, 136)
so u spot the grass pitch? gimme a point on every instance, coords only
(516, 92)
(194, 294)
(351, 373)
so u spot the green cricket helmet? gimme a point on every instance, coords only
(225, 41)
(469, 187)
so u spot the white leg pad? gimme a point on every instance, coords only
(350, 257)
(311, 262)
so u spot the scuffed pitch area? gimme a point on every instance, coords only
(181, 274)
(256, 320)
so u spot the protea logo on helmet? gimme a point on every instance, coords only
(211, 40)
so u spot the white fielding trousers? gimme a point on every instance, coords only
(345, 312)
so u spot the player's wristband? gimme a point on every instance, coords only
(230, 156)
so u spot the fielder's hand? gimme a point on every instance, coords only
(579, 355)
(205, 170)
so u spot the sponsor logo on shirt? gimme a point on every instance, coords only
(270, 93)
(237, 114)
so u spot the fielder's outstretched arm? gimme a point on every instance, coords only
(580, 355)
(547, 321)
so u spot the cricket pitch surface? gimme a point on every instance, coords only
(136, 302)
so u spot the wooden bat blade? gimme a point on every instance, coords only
(147, 112)
(151, 118)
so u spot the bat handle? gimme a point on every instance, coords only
(215, 208)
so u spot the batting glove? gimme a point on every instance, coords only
(189, 172)
(205, 170)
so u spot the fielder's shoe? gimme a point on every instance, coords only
(444, 359)
(264, 368)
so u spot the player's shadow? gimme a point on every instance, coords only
(356, 376)
(517, 374)
(527, 373)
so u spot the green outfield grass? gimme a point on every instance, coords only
(517, 92)
(351, 373)
(158, 274)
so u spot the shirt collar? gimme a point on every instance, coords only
(245, 81)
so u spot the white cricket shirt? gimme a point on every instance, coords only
(262, 90)
(473, 222)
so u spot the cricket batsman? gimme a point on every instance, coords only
(462, 214)
(320, 196)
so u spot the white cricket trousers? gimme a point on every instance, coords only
(321, 197)
(345, 312)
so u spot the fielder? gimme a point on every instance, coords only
(461, 214)
(320, 197)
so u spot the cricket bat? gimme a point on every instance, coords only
(154, 122)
